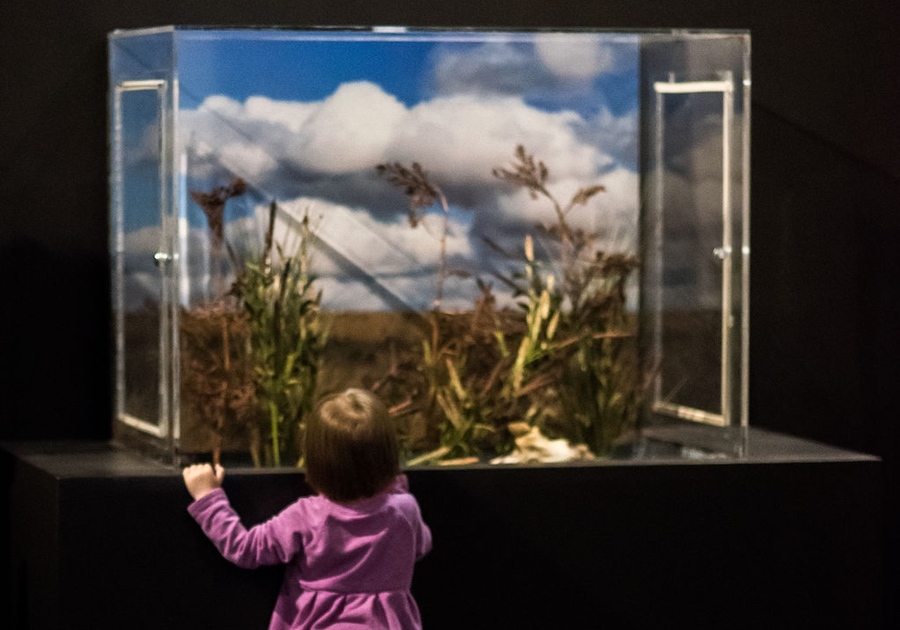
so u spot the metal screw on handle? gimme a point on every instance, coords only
(162, 258)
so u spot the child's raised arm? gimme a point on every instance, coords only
(201, 479)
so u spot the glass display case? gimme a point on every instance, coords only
(533, 245)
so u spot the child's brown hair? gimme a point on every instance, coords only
(351, 447)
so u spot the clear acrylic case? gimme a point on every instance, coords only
(520, 239)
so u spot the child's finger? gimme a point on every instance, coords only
(220, 473)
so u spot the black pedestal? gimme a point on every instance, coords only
(787, 536)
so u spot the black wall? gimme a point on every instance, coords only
(825, 235)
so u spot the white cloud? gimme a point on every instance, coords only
(350, 130)
(145, 240)
(400, 260)
(556, 62)
(611, 214)
(321, 156)
(490, 68)
(251, 161)
(618, 136)
(291, 114)
(462, 138)
(574, 57)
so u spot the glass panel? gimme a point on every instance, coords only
(138, 197)
(692, 197)
(416, 187)
(695, 229)
(253, 129)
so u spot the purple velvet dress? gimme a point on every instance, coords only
(348, 565)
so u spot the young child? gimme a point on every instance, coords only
(350, 549)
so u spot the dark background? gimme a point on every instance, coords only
(825, 201)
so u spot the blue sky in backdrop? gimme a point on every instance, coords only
(305, 120)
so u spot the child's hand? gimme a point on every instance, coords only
(201, 479)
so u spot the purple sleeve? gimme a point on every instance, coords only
(272, 542)
(423, 539)
(414, 514)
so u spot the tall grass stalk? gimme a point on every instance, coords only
(286, 338)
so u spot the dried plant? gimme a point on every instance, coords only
(565, 361)
(213, 205)
(251, 366)
(463, 366)
(453, 364)
(213, 365)
(422, 194)
(532, 175)
(217, 384)
(286, 337)
(584, 359)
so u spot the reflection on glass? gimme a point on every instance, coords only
(139, 181)
(694, 230)
(483, 226)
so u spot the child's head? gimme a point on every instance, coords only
(350, 446)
